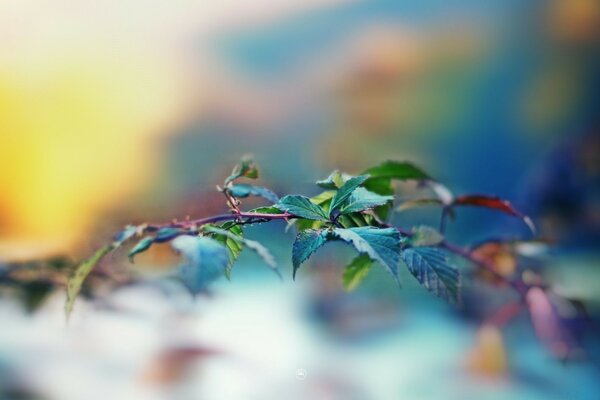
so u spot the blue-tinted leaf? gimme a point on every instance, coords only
(397, 170)
(345, 191)
(79, 274)
(168, 233)
(243, 190)
(206, 261)
(381, 245)
(233, 236)
(356, 271)
(306, 243)
(362, 199)
(264, 253)
(425, 236)
(323, 199)
(334, 181)
(430, 266)
(302, 207)
(141, 246)
(127, 233)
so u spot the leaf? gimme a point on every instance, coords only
(127, 233)
(425, 236)
(495, 203)
(323, 199)
(362, 199)
(140, 247)
(264, 253)
(355, 220)
(206, 261)
(245, 168)
(80, 273)
(302, 207)
(382, 186)
(430, 266)
(265, 210)
(306, 243)
(243, 190)
(231, 236)
(397, 170)
(381, 245)
(444, 195)
(168, 233)
(334, 181)
(356, 271)
(253, 245)
(345, 191)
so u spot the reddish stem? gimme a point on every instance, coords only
(222, 217)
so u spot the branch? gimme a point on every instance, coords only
(260, 217)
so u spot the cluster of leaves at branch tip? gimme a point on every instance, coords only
(352, 209)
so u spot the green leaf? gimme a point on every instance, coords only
(425, 236)
(334, 181)
(80, 273)
(323, 199)
(381, 245)
(356, 271)
(355, 220)
(243, 190)
(231, 236)
(245, 168)
(306, 243)
(302, 207)
(265, 210)
(430, 266)
(227, 237)
(362, 199)
(140, 247)
(382, 186)
(345, 191)
(398, 170)
(206, 261)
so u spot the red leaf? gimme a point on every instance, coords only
(495, 203)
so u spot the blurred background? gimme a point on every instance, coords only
(128, 111)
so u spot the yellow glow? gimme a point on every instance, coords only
(75, 131)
